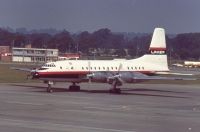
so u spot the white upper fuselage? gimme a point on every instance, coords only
(69, 68)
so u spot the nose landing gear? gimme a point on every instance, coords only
(49, 88)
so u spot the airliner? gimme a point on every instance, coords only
(114, 72)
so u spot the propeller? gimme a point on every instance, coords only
(118, 80)
(32, 72)
(89, 75)
(115, 79)
(119, 68)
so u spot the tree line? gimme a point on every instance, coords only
(103, 41)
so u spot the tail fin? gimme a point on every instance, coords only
(157, 57)
(158, 42)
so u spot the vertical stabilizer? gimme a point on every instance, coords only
(156, 59)
(158, 42)
(157, 49)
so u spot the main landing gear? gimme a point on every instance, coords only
(74, 87)
(115, 90)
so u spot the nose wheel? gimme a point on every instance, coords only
(49, 88)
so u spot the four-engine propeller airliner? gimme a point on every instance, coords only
(114, 72)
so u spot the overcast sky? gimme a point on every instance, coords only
(176, 16)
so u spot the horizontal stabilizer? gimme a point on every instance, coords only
(174, 73)
(140, 76)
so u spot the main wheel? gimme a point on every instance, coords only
(74, 88)
(115, 90)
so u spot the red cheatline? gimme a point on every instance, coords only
(157, 48)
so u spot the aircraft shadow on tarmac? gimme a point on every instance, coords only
(125, 91)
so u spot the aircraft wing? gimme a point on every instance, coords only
(132, 77)
(21, 69)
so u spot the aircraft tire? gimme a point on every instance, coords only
(115, 90)
(74, 88)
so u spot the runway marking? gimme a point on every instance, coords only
(46, 94)
(74, 96)
(46, 125)
(109, 108)
(23, 103)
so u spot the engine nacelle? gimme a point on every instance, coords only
(126, 77)
(108, 77)
(131, 77)
(99, 76)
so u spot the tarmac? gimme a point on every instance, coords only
(140, 108)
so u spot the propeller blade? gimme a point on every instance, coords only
(89, 66)
(119, 68)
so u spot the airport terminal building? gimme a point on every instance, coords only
(34, 55)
